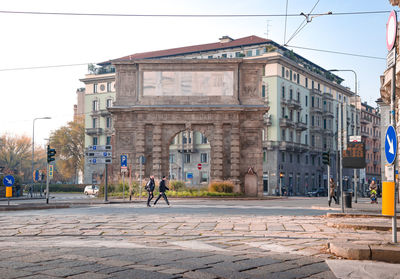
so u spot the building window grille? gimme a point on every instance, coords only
(187, 158)
(263, 91)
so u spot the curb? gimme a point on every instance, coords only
(33, 207)
(357, 215)
(376, 252)
(360, 226)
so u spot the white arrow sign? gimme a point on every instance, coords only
(390, 142)
(9, 181)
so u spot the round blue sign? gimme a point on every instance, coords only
(390, 144)
(8, 180)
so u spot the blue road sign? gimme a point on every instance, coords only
(142, 160)
(390, 144)
(8, 180)
(189, 175)
(37, 174)
(124, 161)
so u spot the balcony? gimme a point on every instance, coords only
(94, 131)
(300, 126)
(292, 103)
(316, 92)
(314, 128)
(104, 112)
(284, 102)
(376, 150)
(375, 162)
(269, 145)
(367, 147)
(367, 161)
(376, 125)
(95, 113)
(267, 120)
(364, 134)
(327, 95)
(328, 132)
(315, 110)
(329, 114)
(286, 122)
(364, 121)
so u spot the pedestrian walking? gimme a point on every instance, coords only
(163, 187)
(150, 189)
(332, 187)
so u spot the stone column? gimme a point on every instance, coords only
(235, 157)
(157, 149)
(217, 152)
(140, 148)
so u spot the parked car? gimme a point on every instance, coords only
(317, 193)
(91, 190)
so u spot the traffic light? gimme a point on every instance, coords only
(325, 158)
(51, 152)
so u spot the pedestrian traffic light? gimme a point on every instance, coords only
(51, 152)
(325, 158)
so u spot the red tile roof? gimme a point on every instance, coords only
(246, 41)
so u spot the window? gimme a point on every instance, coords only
(109, 103)
(108, 140)
(312, 84)
(263, 91)
(108, 86)
(290, 158)
(298, 96)
(312, 120)
(95, 105)
(94, 122)
(306, 160)
(95, 88)
(306, 82)
(108, 122)
(94, 140)
(283, 157)
(298, 158)
(313, 141)
(291, 115)
(298, 116)
(291, 135)
(249, 53)
(291, 75)
(291, 93)
(313, 160)
(172, 158)
(306, 118)
(306, 101)
(210, 56)
(298, 78)
(283, 112)
(283, 135)
(203, 139)
(203, 157)
(187, 158)
(324, 123)
(306, 139)
(283, 92)
(319, 87)
(312, 101)
(264, 156)
(257, 52)
(283, 71)
(224, 55)
(184, 138)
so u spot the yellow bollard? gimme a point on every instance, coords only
(8, 192)
(388, 198)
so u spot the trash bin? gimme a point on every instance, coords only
(347, 199)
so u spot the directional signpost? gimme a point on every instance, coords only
(100, 154)
(388, 187)
(8, 181)
(124, 168)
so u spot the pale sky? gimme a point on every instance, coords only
(43, 40)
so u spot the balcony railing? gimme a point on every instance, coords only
(292, 103)
(316, 91)
(94, 131)
(300, 126)
(315, 110)
(285, 122)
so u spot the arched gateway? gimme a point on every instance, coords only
(157, 99)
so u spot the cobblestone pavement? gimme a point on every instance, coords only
(130, 245)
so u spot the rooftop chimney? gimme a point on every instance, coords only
(225, 39)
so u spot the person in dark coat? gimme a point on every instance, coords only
(163, 187)
(150, 189)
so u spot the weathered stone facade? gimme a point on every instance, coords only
(232, 120)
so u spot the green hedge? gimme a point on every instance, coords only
(67, 187)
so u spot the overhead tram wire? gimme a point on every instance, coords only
(43, 67)
(338, 52)
(186, 15)
(303, 24)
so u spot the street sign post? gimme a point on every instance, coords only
(124, 167)
(95, 161)
(99, 154)
(8, 181)
(51, 168)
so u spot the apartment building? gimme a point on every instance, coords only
(371, 136)
(302, 122)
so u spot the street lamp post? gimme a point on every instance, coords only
(33, 143)
(355, 91)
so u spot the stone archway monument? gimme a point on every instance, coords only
(156, 99)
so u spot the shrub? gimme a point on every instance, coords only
(177, 185)
(225, 186)
(67, 187)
